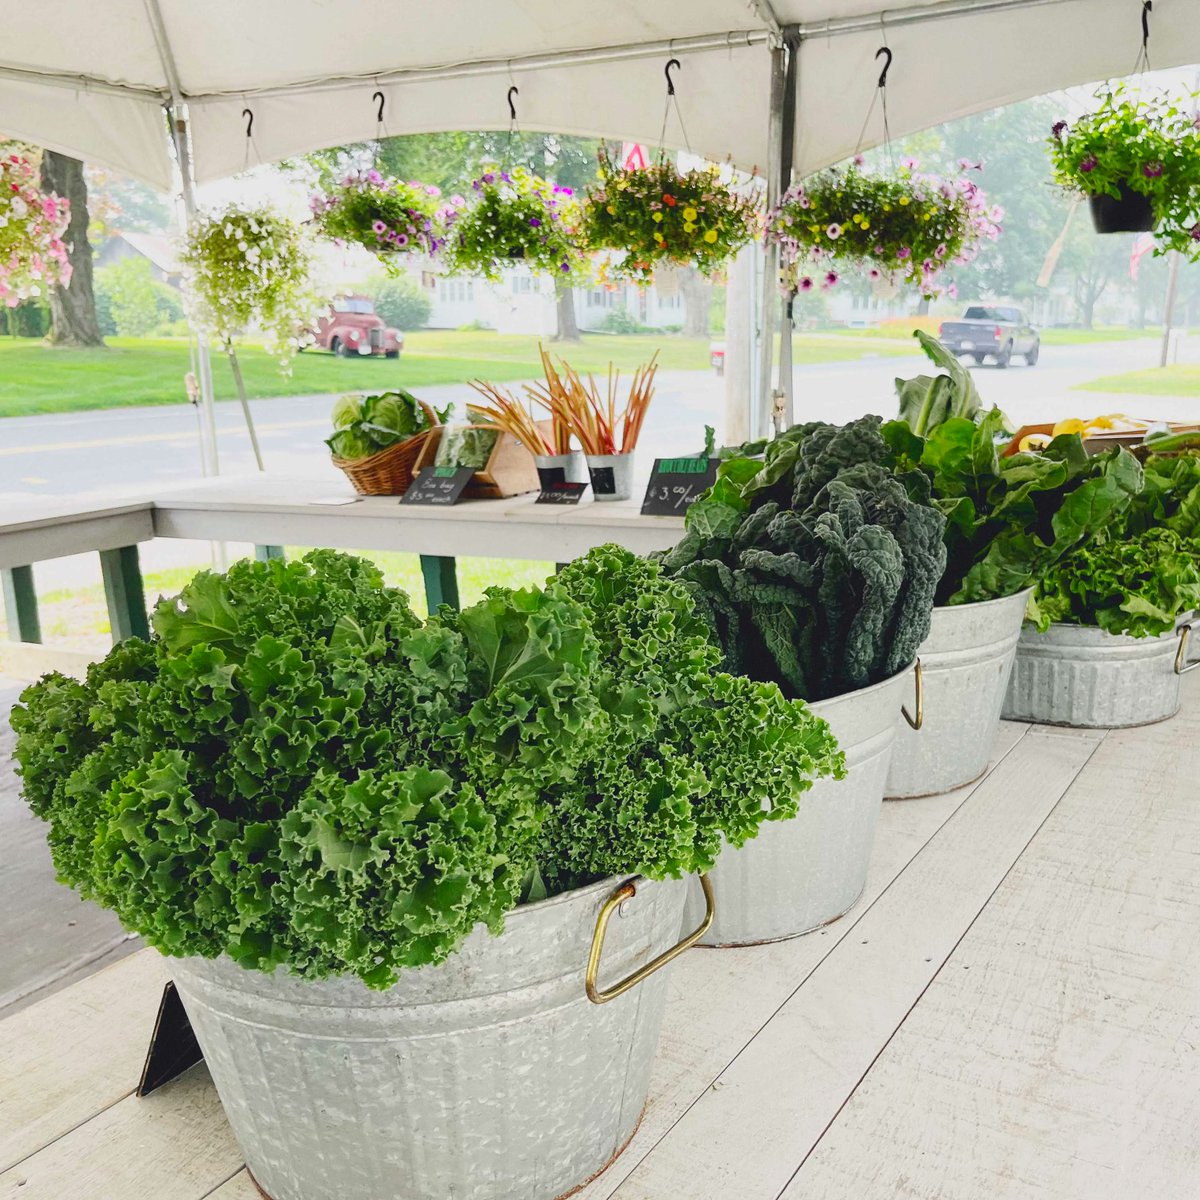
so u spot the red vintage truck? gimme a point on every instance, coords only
(352, 326)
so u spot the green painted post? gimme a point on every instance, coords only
(441, 581)
(123, 590)
(266, 553)
(20, 604)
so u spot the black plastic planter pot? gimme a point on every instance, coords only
(1132, 213)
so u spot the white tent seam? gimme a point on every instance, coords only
(895, 18)
(506, 66)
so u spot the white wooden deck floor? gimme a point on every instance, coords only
(1011, 1011)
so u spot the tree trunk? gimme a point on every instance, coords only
(697, 302)
(73, 308)
(923, 307)
(568, 327)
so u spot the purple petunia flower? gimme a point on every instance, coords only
(875, 273)
(1089, 164)
(806, 284)
(489, 177)
(831, 277)
(402, 239)
(1058, 129)
(1152, 170)
(534, 222)
(379, 227)
(834, 231)
(903, 253)
(940, 252)
(859, 160)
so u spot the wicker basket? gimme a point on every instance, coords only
(391, 471)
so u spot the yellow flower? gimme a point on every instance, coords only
(690, 214)
(658, 237)
(865, 223)
(710, 236)
(657, 216)
(609, 208)
(689, 227)
(903, 200)
(815, 230)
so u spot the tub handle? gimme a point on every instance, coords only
(919, 680)
(1182, 666)
(623, 893)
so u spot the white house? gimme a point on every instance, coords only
(522, 302)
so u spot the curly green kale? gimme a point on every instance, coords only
(296, 771)
(695, 757)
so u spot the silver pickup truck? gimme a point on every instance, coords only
(995, 331)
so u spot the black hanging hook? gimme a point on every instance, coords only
(672, 63)
(512, 108)
(1147, 9)
(378, 96)
(249, 121)
(887, 66)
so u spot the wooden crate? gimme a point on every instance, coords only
(510, 469)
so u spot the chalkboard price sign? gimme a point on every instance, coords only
(438, 485)
(561, 492)
(675, 483)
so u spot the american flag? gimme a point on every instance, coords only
(1142, 245)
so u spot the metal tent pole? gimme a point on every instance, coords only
(1169, 307)
(208, 417)
(784, 393)
(762, 417)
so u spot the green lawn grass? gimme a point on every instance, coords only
(1153, 381)
(136, 371)
(1102, 333)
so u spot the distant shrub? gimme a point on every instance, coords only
(30, 319)
(621, 320)
(136, 302)
(403, 303)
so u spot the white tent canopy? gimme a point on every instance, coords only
(92, 79)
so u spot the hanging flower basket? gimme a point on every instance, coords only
(251, 267)
(658, 215)
(515, 215)
(386, 216)
(33, 255)
(1138, 162)
(903, 227)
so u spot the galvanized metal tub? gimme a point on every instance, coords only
(611, 475)
(489, 1077)
(801, 874)
(965, 664)
(1084, 676)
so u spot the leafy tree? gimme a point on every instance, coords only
(73, 308)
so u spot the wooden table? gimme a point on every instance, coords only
(273, 511)
(1011, 1012)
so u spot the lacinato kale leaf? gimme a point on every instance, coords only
(826, 582)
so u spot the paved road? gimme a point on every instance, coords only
(99, 453)
(86, 455)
